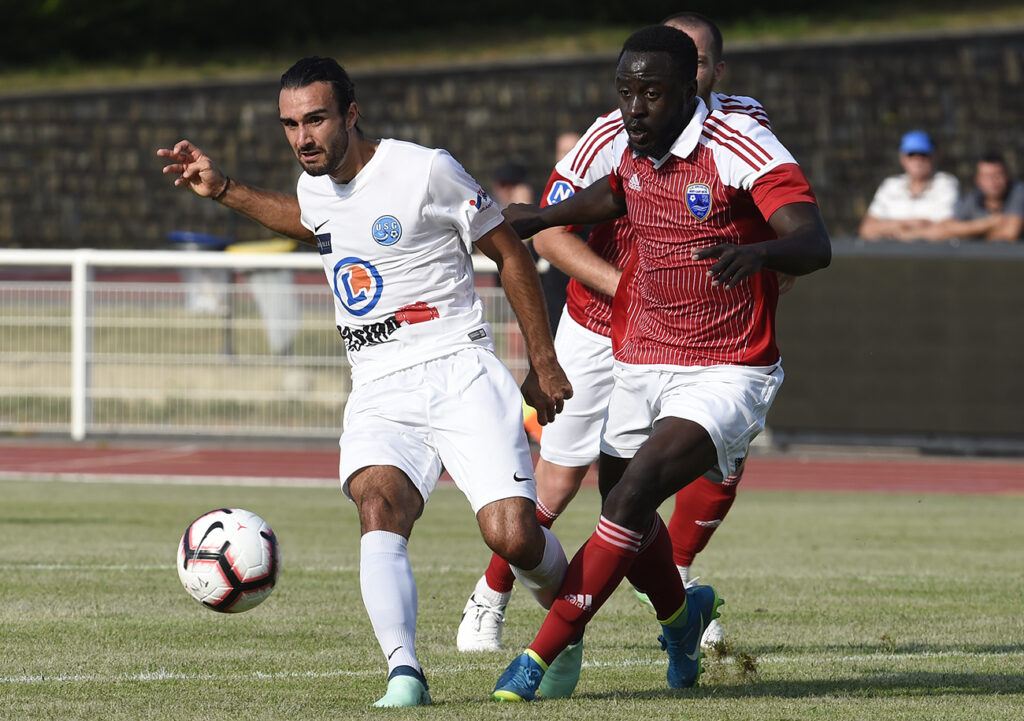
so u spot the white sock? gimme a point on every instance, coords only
(544, 580)
(389, 594)
(494, 598)
(684, 574)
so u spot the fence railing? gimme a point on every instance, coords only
(182, 343)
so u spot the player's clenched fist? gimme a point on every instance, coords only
(547, 392)
(194, 169)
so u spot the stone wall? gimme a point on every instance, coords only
(79, 168)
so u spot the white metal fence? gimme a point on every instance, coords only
(182, 343)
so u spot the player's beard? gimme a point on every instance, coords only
(657, 145)
(330, 158)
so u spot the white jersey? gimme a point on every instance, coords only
(894, 201)
(396, 244)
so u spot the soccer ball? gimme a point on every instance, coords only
(228, 560)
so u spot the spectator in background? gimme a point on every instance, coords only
(510, 184)
(564, 143)
(909, 206)
(994, 210)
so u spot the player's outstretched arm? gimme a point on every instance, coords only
(802, 246)
(594, 204)
(571, 255)
(193, 169)
(546, 386)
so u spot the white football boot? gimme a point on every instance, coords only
(482, 620)
(713, 634)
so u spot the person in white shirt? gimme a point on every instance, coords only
(907, 207)
(395, 224)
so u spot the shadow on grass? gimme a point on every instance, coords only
(910, 684)
(863, 651)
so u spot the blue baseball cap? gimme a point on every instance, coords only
(916, 141)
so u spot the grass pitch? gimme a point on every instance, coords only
(839, 606)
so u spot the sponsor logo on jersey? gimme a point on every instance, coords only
(357, 285)
(357, 337)
(560, 190)
(418, 312)
(482, 200)
(386, 230)
(698, 200)
(634, 183)
(323, 243)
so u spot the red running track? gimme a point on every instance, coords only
(185, 462)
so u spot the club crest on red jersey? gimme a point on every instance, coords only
(698, 200)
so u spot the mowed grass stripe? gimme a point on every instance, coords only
(162, 675)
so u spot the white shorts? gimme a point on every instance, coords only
(462, 411)
(729, 401)
(574, 437)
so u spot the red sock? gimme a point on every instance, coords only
(700, 508)
(653, 572)
(594, 573)
(498, 574)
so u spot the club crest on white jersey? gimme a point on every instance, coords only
(386, 230)
(357, 285)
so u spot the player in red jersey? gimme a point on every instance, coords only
(715, 202)
(569, 447)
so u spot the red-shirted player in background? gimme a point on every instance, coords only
(715, 202)
(569, 447)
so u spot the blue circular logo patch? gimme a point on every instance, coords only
(357, 285)
(386, 230)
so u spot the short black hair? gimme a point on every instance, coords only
(314, 69)
(693, 18)
(663, 39)
(993, 156)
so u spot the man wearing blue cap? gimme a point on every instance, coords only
(908, 206)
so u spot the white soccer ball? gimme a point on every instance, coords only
(229, 559)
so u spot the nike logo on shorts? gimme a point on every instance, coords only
(517, 479)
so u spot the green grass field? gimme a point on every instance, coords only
(839, 606)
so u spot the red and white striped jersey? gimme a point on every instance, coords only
(724, 176)
(590, 160)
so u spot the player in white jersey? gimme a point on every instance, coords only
(583, 341)
(395, 224)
